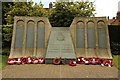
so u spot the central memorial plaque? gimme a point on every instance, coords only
(60, 44)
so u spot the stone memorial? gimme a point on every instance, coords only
(34, 36)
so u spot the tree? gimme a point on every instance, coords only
(65, 12)
(20, 9)
(27, 9)
(6, 7)
(38, 10)
(6, 39)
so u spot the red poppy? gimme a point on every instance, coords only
(11, 61)
(72, 63)
(18, 61)
(80, 60)
(41, 60)
(35, 61)
(29, 60)
(56, 61)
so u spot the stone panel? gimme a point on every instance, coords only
(19, 34)
(102, 38)
(41, 35)
(80, 33)
(30, 35)
(91, 35)
(102, 42)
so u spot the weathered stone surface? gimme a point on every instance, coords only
(80, 41)
(91, 37)
(40, 37)
(102, 42)
(19, 37)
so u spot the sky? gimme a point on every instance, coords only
(103, 7)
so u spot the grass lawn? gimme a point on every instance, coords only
(116, 60)
(4, 61)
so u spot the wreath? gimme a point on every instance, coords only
(56, 61)
(11, 61)
(80, 60)
(108, 63)
(29, 60)
(72, 63)
(41, 60)
(35, 61)
(18, 61)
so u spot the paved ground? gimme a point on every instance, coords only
(0, 75)
(58, 71)
(119, 74)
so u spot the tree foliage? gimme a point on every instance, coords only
(38, 10)
(6, 36)
(6, 7)
(65, 12)
(27, 9)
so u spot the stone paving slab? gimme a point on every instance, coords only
(58, 71)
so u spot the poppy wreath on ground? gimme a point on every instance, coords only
(101, 61)
(18, 61)
(11, 61)
(41, 60)
(29, 60)
(72, 63)
(35, 61)
(108, 62)
(23, 60)
(56, 61)
(86, 61)
(94, 60)
(80, 60)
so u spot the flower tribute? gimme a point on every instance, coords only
(58, 61)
